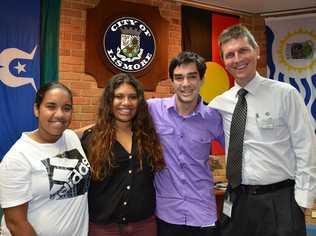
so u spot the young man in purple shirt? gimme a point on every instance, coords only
(184, 188)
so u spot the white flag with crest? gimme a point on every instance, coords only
(291, 54)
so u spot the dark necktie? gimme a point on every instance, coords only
(236, 140)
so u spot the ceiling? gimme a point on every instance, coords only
(260, 6)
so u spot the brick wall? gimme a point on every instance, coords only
(72, 53)
(86, 93)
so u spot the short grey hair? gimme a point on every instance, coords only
(236, 32)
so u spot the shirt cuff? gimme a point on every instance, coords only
(304, 198)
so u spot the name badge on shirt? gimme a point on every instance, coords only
(264, 121)
(228, 207)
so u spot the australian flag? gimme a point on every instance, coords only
(19, 68)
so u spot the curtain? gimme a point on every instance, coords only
(50, 19)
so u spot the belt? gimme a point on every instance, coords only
(261, 189)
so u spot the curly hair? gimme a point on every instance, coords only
(100, 153)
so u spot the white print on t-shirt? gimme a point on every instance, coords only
(68, 174)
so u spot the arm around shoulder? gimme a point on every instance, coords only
(81, 130)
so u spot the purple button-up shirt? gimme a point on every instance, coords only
(184, 188)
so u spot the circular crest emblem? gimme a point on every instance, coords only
(129, 44)
(296, 51)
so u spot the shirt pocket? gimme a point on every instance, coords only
(200, 146)
(164, 130)
(165, 133)
(271, 128)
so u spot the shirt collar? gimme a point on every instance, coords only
(252, 86)
(171, 103)
(200, 108)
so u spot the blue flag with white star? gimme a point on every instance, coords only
(19, 68)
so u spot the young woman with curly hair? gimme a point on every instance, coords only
(124, 153)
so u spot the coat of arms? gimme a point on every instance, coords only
(129, 44)
(129, 49)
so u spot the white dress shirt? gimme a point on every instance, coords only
(279, 141)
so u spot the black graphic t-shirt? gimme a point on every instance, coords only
(68, 173)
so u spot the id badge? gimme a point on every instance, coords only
(228, 207)
(265, 121)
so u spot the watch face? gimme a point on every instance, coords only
(129, 44)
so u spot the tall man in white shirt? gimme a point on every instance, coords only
(278, 168)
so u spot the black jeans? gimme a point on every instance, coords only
(166, 229)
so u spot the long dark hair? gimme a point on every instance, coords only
(100, 154)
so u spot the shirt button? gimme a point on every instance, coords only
(128, 187)
(123, 218)
(130, 171)
(130, 157)
(124, 203)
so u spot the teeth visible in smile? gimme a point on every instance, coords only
(125, 111)
(59, 123)
(240, 67)
(186, 93)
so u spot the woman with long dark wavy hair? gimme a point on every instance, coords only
(124, 153)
